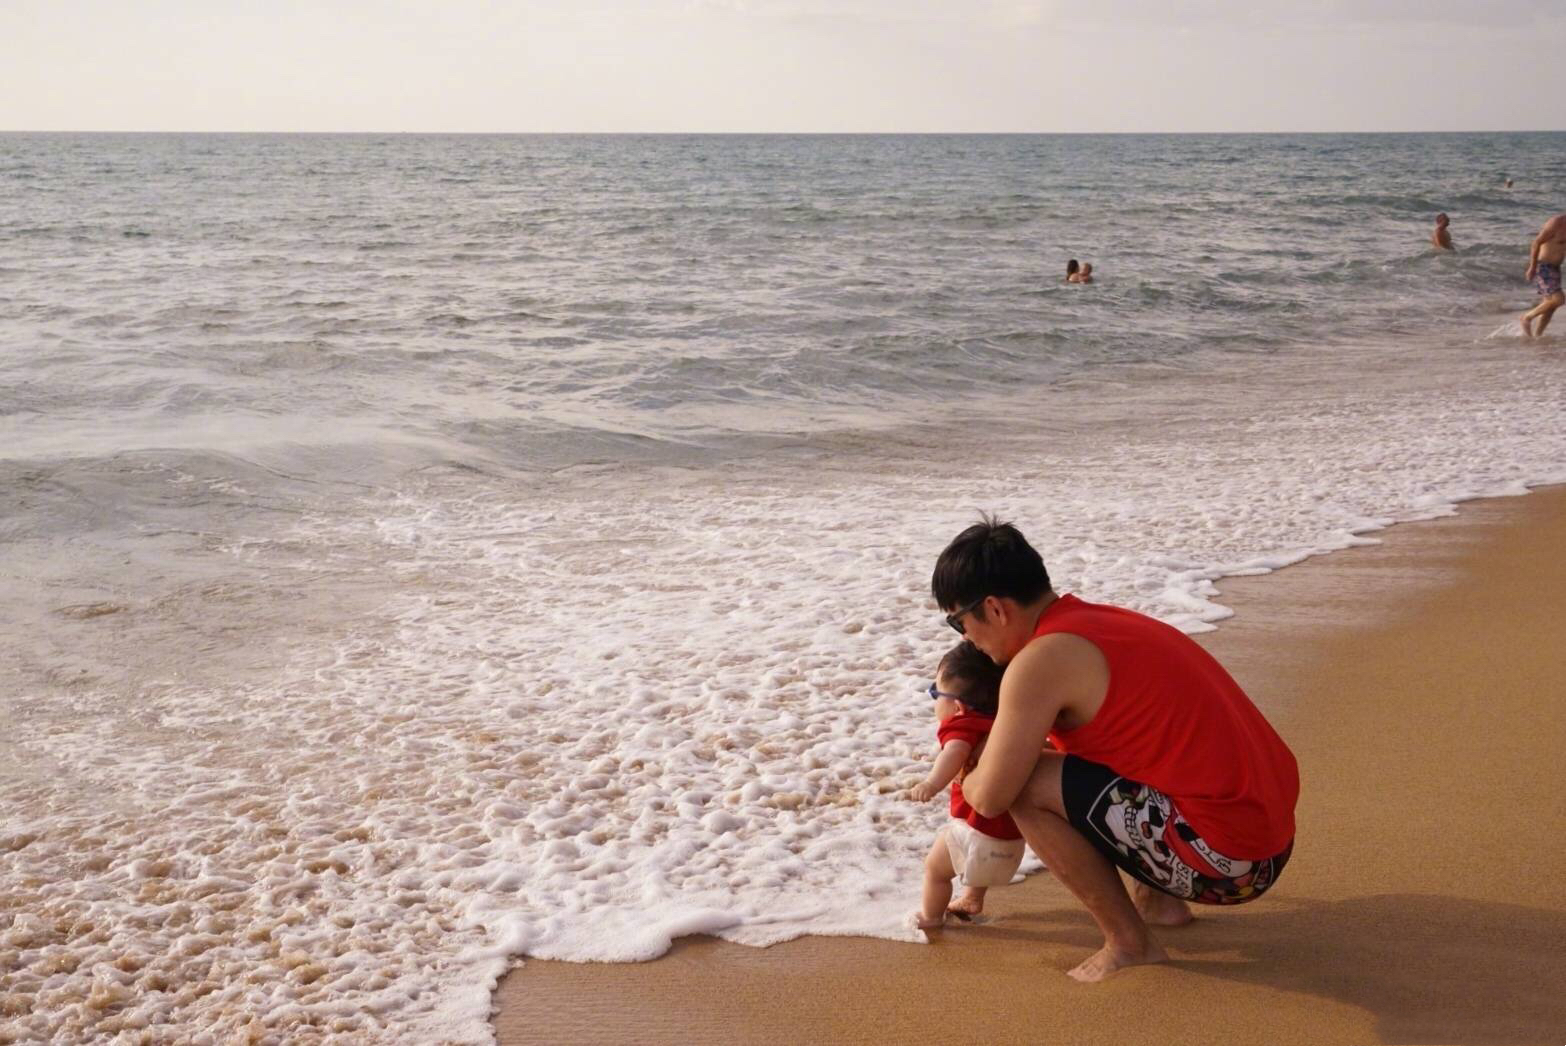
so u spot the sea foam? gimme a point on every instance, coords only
(611, 707)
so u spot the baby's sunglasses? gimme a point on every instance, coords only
(936, 694)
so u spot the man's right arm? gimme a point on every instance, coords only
(1051, 673)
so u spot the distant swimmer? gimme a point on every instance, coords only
(1441, 238)
(1072, 268)
(1544, 270)
(1081, 275)
(1508, 183)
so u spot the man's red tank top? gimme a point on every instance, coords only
(1174, 719)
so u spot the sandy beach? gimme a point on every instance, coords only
(1418, 683)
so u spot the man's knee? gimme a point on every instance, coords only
(1043, 790)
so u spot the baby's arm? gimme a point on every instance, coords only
(972, 760)
(953, 757)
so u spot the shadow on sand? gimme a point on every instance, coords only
(1429, 968)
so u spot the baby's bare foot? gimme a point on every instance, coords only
(966, 906)
(922, 923)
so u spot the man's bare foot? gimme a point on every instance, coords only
(1527, 327)
(966, 906)
(1107, 960)
(1159, 909)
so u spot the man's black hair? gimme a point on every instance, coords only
(973, 677)
(990, 558)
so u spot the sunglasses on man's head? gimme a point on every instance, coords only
(954, 619)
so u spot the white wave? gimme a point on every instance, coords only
(613, 707)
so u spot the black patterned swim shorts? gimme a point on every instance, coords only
(1139, 829)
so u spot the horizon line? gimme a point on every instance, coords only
(754, 134)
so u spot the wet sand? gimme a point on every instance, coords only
(1420, 683)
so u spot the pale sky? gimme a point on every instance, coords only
(783, 65)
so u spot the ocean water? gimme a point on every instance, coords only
(421, 552)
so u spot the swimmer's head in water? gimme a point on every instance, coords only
(1087, 268)
(1071, 267)
(1442, 219)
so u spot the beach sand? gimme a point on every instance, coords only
(1419, 682)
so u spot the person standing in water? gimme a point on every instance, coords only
(1544, 271)
(1441, 238)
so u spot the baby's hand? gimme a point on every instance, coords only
(923, 792)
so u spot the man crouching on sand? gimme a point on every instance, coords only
(1164, 768)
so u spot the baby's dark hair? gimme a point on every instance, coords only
(975, 678)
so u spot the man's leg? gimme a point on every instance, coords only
(1158, 908)
(1548, 308)
(1040, 813)
(1542, 311)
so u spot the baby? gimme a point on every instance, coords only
(985, 851)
